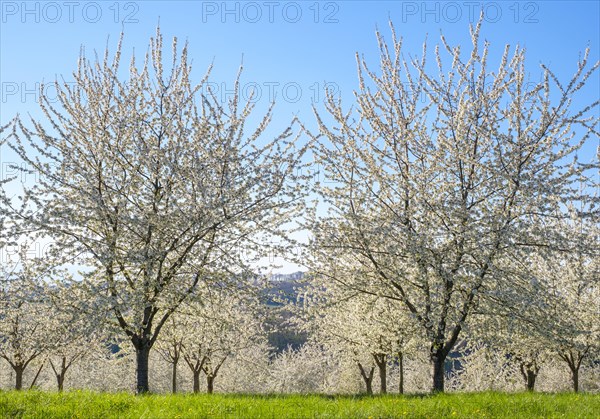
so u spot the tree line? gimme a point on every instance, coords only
(464, 219)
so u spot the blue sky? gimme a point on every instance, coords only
(292, 50)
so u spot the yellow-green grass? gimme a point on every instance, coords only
(85, 404)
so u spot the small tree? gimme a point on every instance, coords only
(212, 326)
(571, 275)
(551, 303)
(367, 328)
(24, 314)
(75, 329)
(170, 346)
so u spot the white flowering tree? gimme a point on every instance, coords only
(24, 313)
(75, 327)
(369, 329)
(433, 176)
(581, 341)
(551, 305)
(516, 334)
(154, 184)
(311, 368)
(4, 205)
(211, 327)
(169, 347)
(572, 274)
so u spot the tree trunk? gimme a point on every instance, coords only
(60, 371)
(369, 383)
(196, 367)
(210, 380)
(531, 376)
(60, 375)
(60, 380)
(574, 360)
(197, 381)
(367, 377)
(174, 378)
(381, 361)
(37, 375)
(529, 371)
(438, 361)
(142, 357)
(401, 371)
(575, 378)
(18, 377)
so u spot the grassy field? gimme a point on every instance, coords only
(477, 405)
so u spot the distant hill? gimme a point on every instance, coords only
(296, 276)
(283, 288)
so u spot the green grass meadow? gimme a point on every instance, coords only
(84, 404)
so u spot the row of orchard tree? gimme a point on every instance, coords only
(455, 206)
(52, 322)
(218, 341)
